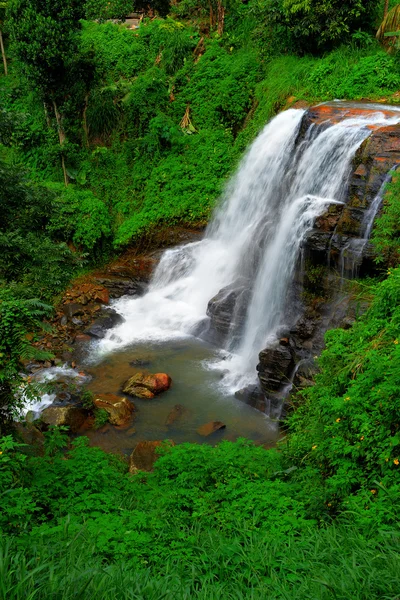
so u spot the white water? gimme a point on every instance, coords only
(255, 235)
(45, 376)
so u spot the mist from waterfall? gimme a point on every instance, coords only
(255, 236)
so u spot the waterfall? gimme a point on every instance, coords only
(286, 180)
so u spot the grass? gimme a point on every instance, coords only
(334, 562)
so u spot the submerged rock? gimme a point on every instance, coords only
(144, 456)
(119, 409)
(147, 385)
(176, 414)
(210, 428)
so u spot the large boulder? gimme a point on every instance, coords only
(144, 456)
(119, 409)
(275, 367)
(147, 385)
(109, 319)
(70, 416)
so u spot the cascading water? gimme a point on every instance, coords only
(254, 239)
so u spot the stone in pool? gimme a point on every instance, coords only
(210, 428)
(147, 385)
(119, 409)
(176, 414)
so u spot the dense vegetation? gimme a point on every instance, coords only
(107, 134)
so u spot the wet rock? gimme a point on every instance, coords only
(305, 327)
(209, 428)
(145, 455)
(32, 436)
(227, 310)
(140, 362)
(82, 337)
(176, 414)
(119, 409)
(284, 341)
(147, 385)
(76, 321)
(253, 396)
(275, 367)
(70, 416)
(122, 286)
(72, 309)
(109, 319)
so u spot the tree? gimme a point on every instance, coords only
(3, 6)
(44, 35)
(322, 24)
(100, 10)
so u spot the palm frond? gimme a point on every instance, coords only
(390, 25)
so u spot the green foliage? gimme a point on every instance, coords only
(100, 417)
(18, 318)
(386, 234)
(80, 217)
(322, 24)
(44, 37)
(347, 433)
(102, 11)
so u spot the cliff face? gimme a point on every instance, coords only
(335, 249)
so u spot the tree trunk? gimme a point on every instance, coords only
(84, 122)
(3, 53)
(62, 138)
(46, 114)
(212, 15)
(221, 18)
(386, 9)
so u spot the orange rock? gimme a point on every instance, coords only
(147, 385)
(119, 409)
(102, 296)
(209, 428)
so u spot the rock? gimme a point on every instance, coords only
(253, 396)
(139, 362)
(109, 319)
(102, 296)
(304, 328)
(70, 416)
(227, 310)
(144, 456)
(72, 309)
(122, 286)
(147, 385)
(176, 414)
(30, 435)
(119, 409)
(64, 320)
(76, 321)
(82, 337)
(275, 368)
(210, 428)
(284, 341)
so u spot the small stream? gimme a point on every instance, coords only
(194, 385)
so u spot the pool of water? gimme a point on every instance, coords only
(195, 385)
